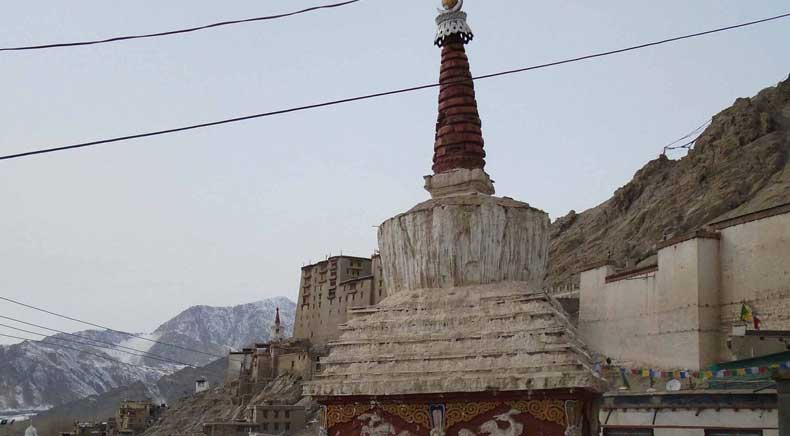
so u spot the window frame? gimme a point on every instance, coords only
(734, 432)
(631, 431)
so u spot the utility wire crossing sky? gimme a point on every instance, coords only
(107, 328)
(383, 94)
(173, 32)
(112, 346)
(106, 347)
(101, 356)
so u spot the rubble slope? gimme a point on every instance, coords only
(187, 415)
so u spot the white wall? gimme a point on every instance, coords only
(681, 318)
(695, 421)
(656, 318)
(613, 317)
(755, 262)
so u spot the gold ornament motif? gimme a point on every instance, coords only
(411, 413)
(544, 410)
(465, 412)
(449, 4)
(345, 413)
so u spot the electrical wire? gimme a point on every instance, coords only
(174, 32)
(69, 348)
(114, 346)
(90, 345)
(671, 144)
(108, 328)
(382, 94)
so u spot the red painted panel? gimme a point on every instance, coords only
(377, 422)
(506, 421)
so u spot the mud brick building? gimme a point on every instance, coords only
(328, 289)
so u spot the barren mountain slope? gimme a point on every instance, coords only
(738, 165)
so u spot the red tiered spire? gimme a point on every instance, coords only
(459, 139)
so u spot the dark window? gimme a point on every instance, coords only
(287, 414)
(628, 432)
(276, 426)
(265, 426)
(287, 426)
(276, 413)
(734, 432)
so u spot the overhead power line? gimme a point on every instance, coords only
(672, 146)
(108, 328)
(47, 337)
(112, 346)
(381, 94)
(174, 32)
(70, 348)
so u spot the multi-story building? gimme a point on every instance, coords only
(329, 288)
(277, 418)
(262, 419)
(91, 429)
(253, 368)
(133, 417)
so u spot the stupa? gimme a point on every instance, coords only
(466, 343)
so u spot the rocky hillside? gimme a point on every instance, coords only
(187, 415)
(739, 165)
(38, 375)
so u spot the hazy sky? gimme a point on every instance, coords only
(130, 234)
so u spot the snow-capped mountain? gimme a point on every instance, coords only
(215, 330)
(37, 375)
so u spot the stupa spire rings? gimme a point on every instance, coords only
(451, 24)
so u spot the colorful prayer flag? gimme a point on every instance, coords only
(746, 313)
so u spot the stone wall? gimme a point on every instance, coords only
(464, 240)
(297, 364)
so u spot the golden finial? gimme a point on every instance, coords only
(449, 4)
